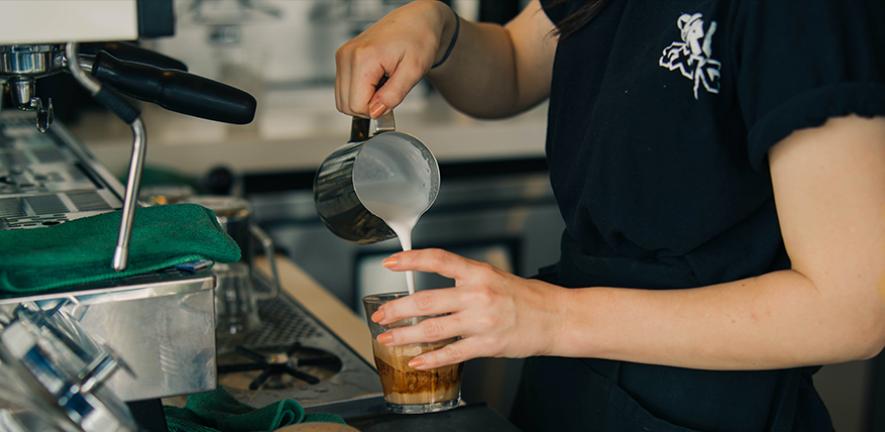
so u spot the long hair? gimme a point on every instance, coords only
(577, 19)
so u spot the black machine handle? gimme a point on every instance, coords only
(175, 90)
(132, 53)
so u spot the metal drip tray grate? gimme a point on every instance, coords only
(49, 155)
(12, 207)
(285, 323)
(14, 159)
(46, 204)
(88, 201)
(283, 327)
(48, 178)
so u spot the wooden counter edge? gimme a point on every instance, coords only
(323, 305)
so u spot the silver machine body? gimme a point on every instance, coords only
(161, 325)
(54, 375)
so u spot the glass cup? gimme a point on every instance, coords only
(236, 306)
(407, 390)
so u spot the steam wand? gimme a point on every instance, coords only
(146, 77)
(129, 114)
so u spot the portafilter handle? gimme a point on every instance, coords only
(175, 90)
(134, 54)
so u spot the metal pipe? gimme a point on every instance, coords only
(86, 62)
(130, 198)
(136, 160)
(23, 89)
(90, 84)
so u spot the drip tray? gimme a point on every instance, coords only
(293, 356)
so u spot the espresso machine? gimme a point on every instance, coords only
(162, 325)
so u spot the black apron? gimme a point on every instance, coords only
(571, 394)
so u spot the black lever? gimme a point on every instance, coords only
(175, 90)
(132, 53)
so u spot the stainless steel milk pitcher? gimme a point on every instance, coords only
(336, 199)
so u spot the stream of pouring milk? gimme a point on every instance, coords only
(393, 180)
(399, 204)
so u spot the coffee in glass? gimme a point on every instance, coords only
(408, 390)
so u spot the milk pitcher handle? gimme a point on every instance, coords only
(359, 127)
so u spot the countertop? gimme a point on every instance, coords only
(296, 130)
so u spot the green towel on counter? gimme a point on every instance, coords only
(80, 251)
(218, 411)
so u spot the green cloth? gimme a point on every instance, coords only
(218, 411)
(80, 251)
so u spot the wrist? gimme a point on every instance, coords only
(445, 19)
(556, 328)
(559, 334)
(580, 327)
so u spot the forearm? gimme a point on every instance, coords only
(776, 320)
(497, 71)
(491, 71)
(479, 77)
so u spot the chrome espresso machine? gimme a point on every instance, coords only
(76, 355)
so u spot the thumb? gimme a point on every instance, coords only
(398, 85)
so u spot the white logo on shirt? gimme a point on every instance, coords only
(692, 56)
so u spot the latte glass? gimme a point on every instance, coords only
(407, 390)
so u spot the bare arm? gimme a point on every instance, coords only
(498, 71)
(829, 187)
(493, 71)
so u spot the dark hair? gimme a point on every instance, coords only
(578, 18)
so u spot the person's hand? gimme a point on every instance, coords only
(496, 314)
(403, 45)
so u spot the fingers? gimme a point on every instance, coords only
(407, 74)
(429, 330)
(403, 44)
(342, 79)
(362, 97)
(434, 261)
(337, 83)
(422, 303)
(359, 69)
(453, 353)
(366, 72)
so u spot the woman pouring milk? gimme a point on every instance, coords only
(720, 166)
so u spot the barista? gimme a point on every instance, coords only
(720, 167)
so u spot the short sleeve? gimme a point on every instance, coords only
(801, 63)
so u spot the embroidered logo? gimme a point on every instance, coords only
(692, 56)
